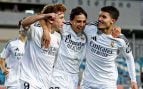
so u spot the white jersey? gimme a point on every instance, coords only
(13, 53)
(71, 50)
(37, 63)
(101, 53)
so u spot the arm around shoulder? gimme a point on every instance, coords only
(27, 21)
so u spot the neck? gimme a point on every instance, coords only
(22, 38)
(107, 31)
(76, 30)
(49, 26)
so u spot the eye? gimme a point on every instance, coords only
(104, 16)
(78, 21)
(61, 17)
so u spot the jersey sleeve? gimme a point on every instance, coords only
(65, 28)
(127, 53)
(6, 51)
(90, 29)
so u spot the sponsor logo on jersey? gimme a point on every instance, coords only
(18, 54)
(100, 50)
(75, 46)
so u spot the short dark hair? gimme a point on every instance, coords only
(114, 12)
(77, 11)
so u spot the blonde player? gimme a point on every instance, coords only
(38, 59)
(102, 50)
(11, 56)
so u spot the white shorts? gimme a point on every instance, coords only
(63, 80)
(12, 80)
(89, 85)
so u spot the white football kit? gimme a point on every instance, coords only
(101, 71)
(37, 63)
(13, 53)
(71, 51)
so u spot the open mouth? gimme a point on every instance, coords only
(100, 22)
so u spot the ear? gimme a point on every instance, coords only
(50, 20)
(113, 21)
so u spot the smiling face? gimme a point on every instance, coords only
(78, 22)
(105, 20)
(107, 17)
(78, 19)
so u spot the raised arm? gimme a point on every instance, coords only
(31, 19)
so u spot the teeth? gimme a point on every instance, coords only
(99, 22)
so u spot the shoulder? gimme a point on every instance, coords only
(92, 23)
(57, 36)
(10, 43)
(36, 24)
(121, 41)
(66, 27)
(123, 37)
(90, 28)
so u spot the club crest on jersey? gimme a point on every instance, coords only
(112, 44)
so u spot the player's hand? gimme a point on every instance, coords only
(6, 71)
(50, 16)
(134, 85)
(116, 31)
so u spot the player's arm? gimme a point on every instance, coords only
(46, 34)
(127, 52)
(27, 21)
(3, 56)
(3, 67)
(131, 69)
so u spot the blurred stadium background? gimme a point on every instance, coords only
(130, 20)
